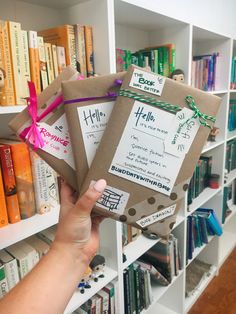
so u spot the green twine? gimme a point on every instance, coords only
(169, 107)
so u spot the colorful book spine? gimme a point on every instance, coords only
(25, 62)
(7, 94)
(3, 205)
(24, 180)
(34, 60)
(9, 181)
(3, 281)
(80, 50)
(11, 269)
(88, 34)
(43, 63)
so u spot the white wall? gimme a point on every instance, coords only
(216, 15)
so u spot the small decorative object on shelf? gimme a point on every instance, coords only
(85, 281)
(178, 75)
(97, 265)
(212, 136)
(214, 181)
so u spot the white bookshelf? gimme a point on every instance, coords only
(135, 24)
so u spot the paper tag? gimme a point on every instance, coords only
(157, 216)
(182, 133)
(140, 155)
(93, 122)
(113, 200)
(57, 140)
(147, 82)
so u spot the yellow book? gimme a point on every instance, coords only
(34, 59)
(54, 60)
(48, 53)
(43, 63)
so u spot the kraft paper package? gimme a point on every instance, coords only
(150, 148)
(53, 128)
(88, 104)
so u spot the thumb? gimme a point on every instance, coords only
(85, 203)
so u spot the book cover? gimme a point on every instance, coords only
(111, 292)
(40, 246)
(88, 34)
(80, 50)
(23, 174)
(54, 60)
(7, 94)
(61, 58)
(3, 281)
(211, 219)
(3, 207)
(11, 269)
(9, 182)
(49, 62)
(34, 59)
(32, 254)
(21, 257)
(25, 62)
(105, 301)
(43, 63)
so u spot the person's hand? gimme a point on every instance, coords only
(76, 230)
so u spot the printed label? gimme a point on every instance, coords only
(57, 140)
(182, 133)
(147, 82)
(140, 155)
(160, 215)
(93, 121)
(113, 200)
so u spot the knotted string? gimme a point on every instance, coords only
(170, 107)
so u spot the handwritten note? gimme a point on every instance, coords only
(140, 155)
(93, 122)
(148, 82)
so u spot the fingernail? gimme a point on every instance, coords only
(100, 185)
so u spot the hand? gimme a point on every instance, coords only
(77, 231)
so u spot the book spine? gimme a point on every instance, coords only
(34, 59)
(3, 282)
(71, 45)
(12, 274)
(24, 181)
(43, 63)
(88, 31)
(7, 94)
(25, 62)
(80, 50)
(54, 59)
(16, 49)
(3, 206)
(61, 58)
(9, 181)
(48, 52)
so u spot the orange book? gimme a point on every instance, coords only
(88, 34)
(9, 181)
(24, 180)
(64, 36)
(34, 60)
(3, 205)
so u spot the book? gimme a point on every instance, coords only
(3, 281)
(54, 60)
(10, 267)
(23, 175)
(211, 219)
(43, 63)
(49, 62)
(64, 36)
(88, 34)
(32, 254)
(34, 59)
(8, 174)
(7, 94)
(21, 257)
(25, 63)
(39, 245)
(111, 292)
(3, 207)
(80, 50)
(61, 58)
(45, 184)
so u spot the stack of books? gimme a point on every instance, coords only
(160, 59)
(230, 160)
(40, 57)
(28, 185)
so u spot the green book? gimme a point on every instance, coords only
(166, 67)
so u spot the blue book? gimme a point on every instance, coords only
(211, 219)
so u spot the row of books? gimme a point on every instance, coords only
(18, 259)
(129, 234)
(232, 115)
(28, 185)
(199, 180)
(229, 199)
(104, 301)
(233, 74)
(230, 160)
(161, 59)
(200, 225)
(40, 57)
(205, 71)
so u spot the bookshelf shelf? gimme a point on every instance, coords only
(198, 250)
(78, 299)
(218, 92)
(231, 135)
(11, 109)
(227, 244)
(189, 301)
(13, 233)
(230, 177)
(211, 145)
(231, 216)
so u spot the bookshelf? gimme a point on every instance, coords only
(123, 24)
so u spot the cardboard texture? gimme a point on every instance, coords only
(143, 201)
(23, 120)
(91, 87)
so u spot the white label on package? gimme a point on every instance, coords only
(140, 155)
(113, 200)
(93, 122)
(182, 133)
(157, 216)
(147, 82)
(57, 140)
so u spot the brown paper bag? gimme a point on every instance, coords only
(87, 119)
(149, 151)
(23, 120)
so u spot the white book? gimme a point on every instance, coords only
(21, 258)
(43, 63)
(25, 62)
(11, 269)
(47, 235)
(54, 59)
(98, 301)
(3, 281)
(40, 246)
(105, 301)
(32, 253)
(61, 58)
(48, 53)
